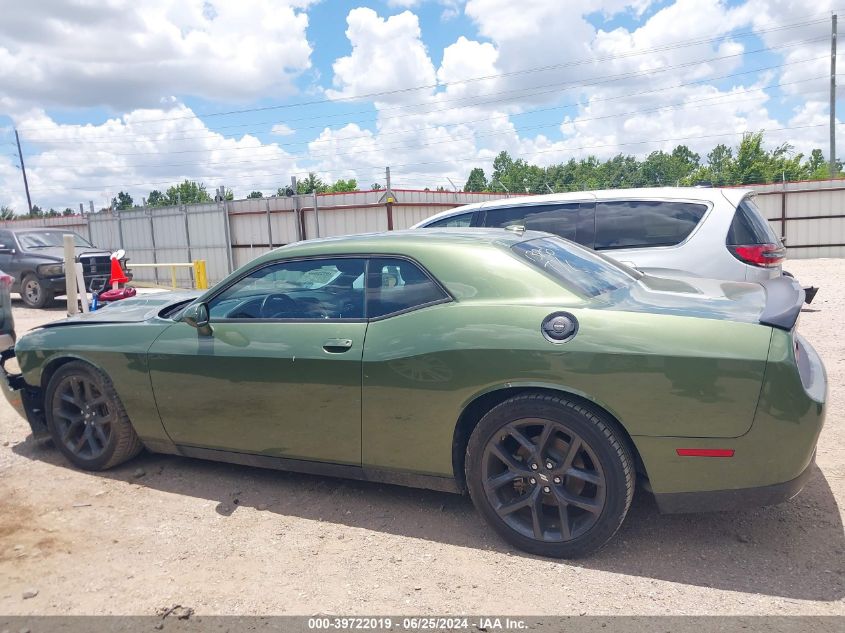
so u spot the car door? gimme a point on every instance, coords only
(402, 373)
(8, 247)
(280, 372)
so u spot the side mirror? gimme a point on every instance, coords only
(196, 315)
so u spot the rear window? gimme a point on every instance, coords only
(645, 223)
(559, 219)
(577, 268)
(750, 227)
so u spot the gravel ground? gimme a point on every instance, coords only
(228, 539)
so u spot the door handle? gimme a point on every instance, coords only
(337, 345)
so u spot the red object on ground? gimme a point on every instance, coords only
(117, 274)
(117, 295)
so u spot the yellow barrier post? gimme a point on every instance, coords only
(200, 274)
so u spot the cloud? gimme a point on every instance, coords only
(388, 55)
(280, 129)
(140, 151)
(125, 54)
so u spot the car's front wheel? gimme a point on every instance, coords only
(550, 476)
(86, 418)
(33, 292)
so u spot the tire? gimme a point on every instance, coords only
(33, 292)
(586, 493)
(86, 419)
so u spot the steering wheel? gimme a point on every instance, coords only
(288, 304)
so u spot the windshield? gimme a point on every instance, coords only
(576, 267)
(49, 239)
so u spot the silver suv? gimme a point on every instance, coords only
(705, 232)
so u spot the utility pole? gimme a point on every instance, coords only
(833, 169)
(23, 169)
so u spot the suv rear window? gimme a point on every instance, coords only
(581, 270)
(750, 227)
(645, 223)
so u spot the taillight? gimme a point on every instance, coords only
(6, 281)
(765, 255)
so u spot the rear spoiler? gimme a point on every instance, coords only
(784, 298)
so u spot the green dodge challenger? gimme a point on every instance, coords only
(537, 375)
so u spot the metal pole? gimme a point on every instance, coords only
(70, 274)
(389, 197)
(23, 170)
(316, 214)
(153, 242)
(269, 226)
(833, 169)
(297, 211)
(230, 260)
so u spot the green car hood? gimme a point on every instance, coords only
(693, 297)
(133, 310)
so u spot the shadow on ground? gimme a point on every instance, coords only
(793, 550)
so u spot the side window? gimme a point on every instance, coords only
(394, 285)
(558, 219)
(465, 219)
(645, 223)
(305, 289)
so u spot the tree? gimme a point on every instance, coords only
(477, 181)
(68, 211)
(122, 202)
(341, 186)
(187, 192)
(375, 187)
(815, 160)
(255, 194)
(6, 212)
(156, 199)
(36, 212)
(284, 191)
(310, 184)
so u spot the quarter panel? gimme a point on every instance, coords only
(659, 375)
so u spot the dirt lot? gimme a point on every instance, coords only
(229, 539)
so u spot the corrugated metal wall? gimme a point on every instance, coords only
(811, 215)
(230, 234)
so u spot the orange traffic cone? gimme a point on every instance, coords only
(117, 275)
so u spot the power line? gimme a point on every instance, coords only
(474, 136)
(536, 69)
(370, 169)
(125, 140)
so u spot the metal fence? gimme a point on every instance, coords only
(811, 215)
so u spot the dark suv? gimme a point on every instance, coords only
(35, 258)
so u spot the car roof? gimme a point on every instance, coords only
(39, 229)
(457, 257)
(703, 194)
(405, 242)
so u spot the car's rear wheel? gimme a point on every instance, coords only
(87, 420)
(33, 292)
(550, 476)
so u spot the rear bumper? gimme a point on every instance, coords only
(24, 399)
(732, 500)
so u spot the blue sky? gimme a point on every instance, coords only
(133, 99)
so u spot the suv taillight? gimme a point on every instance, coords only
(764, 255)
